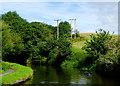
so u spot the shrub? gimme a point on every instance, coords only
(97, 45)
(77, 35)
(52, 56)
(109, 61)
(75, 59)
(61, 50)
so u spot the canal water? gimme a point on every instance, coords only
(56, 76)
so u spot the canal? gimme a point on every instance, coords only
(52, 76)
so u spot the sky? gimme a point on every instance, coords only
(90, 16)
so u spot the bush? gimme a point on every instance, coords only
(77, 35)
(12, 43)
(97, 45)
(52, 56)
(110, 61)
(61, 50)
(76, 59)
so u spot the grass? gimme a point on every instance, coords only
(20, 72)
(4, 68)
(86, 36)
(79, 44)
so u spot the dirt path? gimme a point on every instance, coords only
(9, 71)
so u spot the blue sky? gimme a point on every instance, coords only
(90, 15)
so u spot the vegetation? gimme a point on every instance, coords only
(99, 52)
(76, 58)
(96, 45)
(5, 67)
(65, 30)
(33, 42)
(103, 52)
(11, 42)
(37, 43)
(109, 62)
(20, 73)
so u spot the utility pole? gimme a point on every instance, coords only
(75, 27)
(57, 28)
(71, 26)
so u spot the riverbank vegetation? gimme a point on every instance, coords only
(33, 42)
(101, 53)
(20, 73)
(36, 42)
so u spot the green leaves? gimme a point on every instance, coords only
(35, 40)
(64, 29)
(97, 42)
(97, 45)
(11, 41)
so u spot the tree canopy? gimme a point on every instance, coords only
(33, 40)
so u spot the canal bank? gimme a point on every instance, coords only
(20, 73)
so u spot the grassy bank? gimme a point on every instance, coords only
(5, 67)
(20, 73)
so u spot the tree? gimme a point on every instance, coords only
(97, 45)
(39, 39)
(12, 43)
(60, 51)
(64, 29)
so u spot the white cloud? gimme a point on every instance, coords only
(90, 16)
(107, 14)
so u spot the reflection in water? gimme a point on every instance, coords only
(56, 75)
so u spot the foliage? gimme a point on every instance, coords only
(111, 60)
(12, 43)
(61, 50)
(64, 29)
(96, 45)
(53, 55)
(15, 21)
(77, 35)
(76, 59)
(32, 35)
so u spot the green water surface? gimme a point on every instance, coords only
(56, 76)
